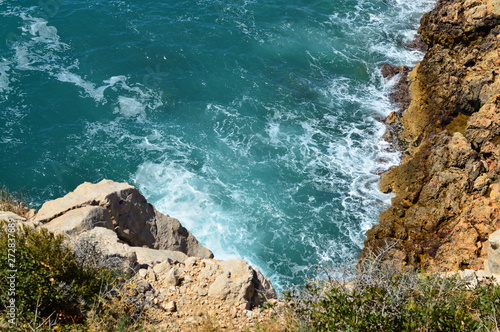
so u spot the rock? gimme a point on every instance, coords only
(80, 220)
(173, 236)
(101, 247)
(6, 215)
(118, 206)
(170, 306)
(494, 253)
(163, 267)
(142, 273)
(147, 256)
(171, 278)
(447, 196)
(238, 282)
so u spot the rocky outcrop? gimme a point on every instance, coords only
(123, 209)
(185, 296)
(447, 188)
(174, 277)
(234, 282)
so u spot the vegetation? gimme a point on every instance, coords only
(381, 297)
(51, 287)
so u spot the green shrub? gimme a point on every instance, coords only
(381, 297)
(49, 283)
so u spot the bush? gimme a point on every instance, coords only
(50, 285)
(381, 297)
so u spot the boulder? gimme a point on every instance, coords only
(233, 282)
(239, 283)
(122, 208)
(100, 247)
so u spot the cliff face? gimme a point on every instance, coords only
(448, 185)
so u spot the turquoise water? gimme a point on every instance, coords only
(253, 122)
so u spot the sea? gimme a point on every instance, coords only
(256, 123)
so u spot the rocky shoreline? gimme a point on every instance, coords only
(447, 187)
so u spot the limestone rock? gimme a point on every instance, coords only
(101, 247)
(494, 253)
(121, 207)
(238, 282)
(80, 220)
(173, 236)
(6, 215)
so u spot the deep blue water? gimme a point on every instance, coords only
(255, 123)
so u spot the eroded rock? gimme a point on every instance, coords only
(122, 208)
(447, 187)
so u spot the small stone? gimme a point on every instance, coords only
(171, 278)
(244, 306)
(163, 267)
(170, 306)
(151, 276)
(190, 262)
(142, 273)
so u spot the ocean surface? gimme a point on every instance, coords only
(254, 122)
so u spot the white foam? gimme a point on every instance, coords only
(4, 76)
(40, 49)
(130, 107)
(175, 191)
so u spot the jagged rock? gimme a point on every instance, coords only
(171, 278)
(447, 187)
(234, 282)
(238, 282)
(121, 207)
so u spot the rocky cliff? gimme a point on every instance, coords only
(174, 279)
(447, 188)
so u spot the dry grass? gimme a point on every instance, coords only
(13, 202)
